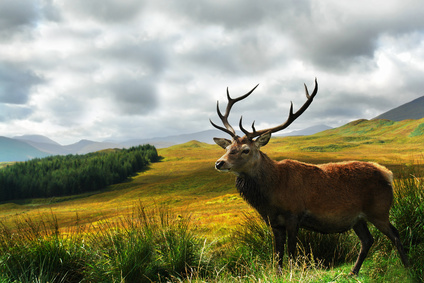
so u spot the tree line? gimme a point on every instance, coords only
(55, 176)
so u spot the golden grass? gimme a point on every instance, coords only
(186, 182)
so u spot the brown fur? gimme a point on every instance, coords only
(327, 198)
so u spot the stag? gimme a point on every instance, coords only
(289, 195)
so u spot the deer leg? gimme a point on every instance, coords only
(366, 239)
(292, 230)
(279, 241)
(393, 234)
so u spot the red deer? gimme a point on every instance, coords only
(326, 198)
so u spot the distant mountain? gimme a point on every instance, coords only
(16, 150)
(25, 147)
(411, 110)
(208, 135)
(44, 144)
(87, 146)
(161, 142)
(36, 139)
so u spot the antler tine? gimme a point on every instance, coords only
(222, 129)
(290, 119)
(246, 132)
(224, 118)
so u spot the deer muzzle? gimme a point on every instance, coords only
(220, 166)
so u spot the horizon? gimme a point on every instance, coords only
(283, 133)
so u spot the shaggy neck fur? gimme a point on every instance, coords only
(253, 185)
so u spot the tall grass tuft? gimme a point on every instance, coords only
(253, 240)
(249, 247)
(148, 246)
(408, 215)
(35, 251)
(329, 249)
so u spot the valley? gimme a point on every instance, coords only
(181, 214)
(185, 180)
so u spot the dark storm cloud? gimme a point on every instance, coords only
(16, 83)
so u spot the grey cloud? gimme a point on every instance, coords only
(336, 38)
(247, 53)
(14, 112)
(66, 109)
(16, 16)
(165, 63)
(152, 55)
(20, 17)
(50, 11)
(16, 83)
(134, 96)
(238, 14)
(106, 10)
(348, 105)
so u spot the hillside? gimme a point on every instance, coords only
(411, 110)
(185, 186)
(186, 179)
(38, 143)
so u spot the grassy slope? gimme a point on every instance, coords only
(186, 181)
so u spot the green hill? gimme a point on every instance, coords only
(186, 178)
(385, 129)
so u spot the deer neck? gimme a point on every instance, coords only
(262, 171)
(254, 185)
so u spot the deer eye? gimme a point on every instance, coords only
(246, 151)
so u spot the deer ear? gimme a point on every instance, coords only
(222, 142)
(263, 140)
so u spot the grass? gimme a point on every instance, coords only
(145, 245)
(102, 236)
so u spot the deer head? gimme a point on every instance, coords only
(242, 153)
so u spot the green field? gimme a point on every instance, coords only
(186, 184)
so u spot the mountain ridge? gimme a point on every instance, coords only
(21, 148)
(41, 146)
(410, 110)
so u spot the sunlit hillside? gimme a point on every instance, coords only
(224, 232)
(186, 180)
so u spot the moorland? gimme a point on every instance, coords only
(206, 225)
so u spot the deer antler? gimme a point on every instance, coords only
(224, 118)
(290, 119)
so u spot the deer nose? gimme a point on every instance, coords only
(219, 164)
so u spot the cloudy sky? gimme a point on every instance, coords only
(104, 69)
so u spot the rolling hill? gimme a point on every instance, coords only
(29, 146)
(186, 180)
(184, 185)
(40, 146)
